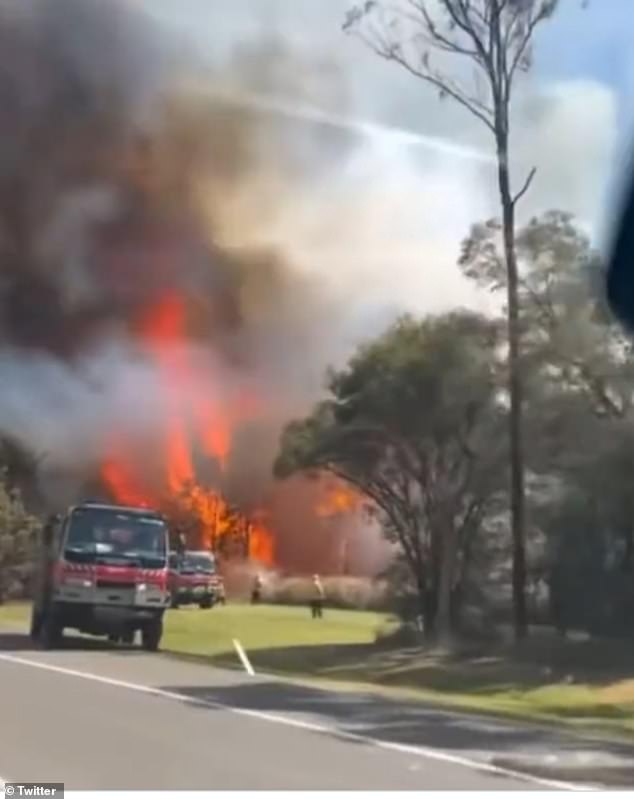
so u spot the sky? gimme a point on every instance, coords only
(392, 215)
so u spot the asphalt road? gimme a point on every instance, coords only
(96, 718)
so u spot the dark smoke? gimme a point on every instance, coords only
(125, 173)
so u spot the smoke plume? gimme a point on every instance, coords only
(129, 176)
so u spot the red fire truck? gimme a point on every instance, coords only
(102, 570)
(194, 579)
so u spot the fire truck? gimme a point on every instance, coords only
(194, 579)
(102, 570)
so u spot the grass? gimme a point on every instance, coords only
(15, 613)
(280, 627)
(584, 684)
(266, 627)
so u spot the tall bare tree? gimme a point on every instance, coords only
(495, 37)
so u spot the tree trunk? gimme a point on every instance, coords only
(425, 609)
(628, 554)
(430, 612)
(445, 583)
(515, 387)
(457, 597)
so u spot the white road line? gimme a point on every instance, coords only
(243, 657)
(418, 751)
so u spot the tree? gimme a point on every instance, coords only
(17, 528)
(588, 523)
(494, 36)
(410, 423)
(575, 360)
(20, 468)
(578, 372)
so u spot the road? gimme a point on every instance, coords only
(96, 718)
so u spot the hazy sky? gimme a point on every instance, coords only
(393, 216)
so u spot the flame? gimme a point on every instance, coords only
(261, 545)
(123, 484)
(162, 332)
(164, 323)
(261, 541)
(339, 499)
(180, 470)
(215, 433)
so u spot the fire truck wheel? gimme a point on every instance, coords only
(151, 635)
(128, 637)
(205, 604)
(51, 631)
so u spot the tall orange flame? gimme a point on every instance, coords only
(162, 332)
(123, 484)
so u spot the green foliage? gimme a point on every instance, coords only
(421, 387)
(416, 421)
(17, 531)
(576, 362)
(413, 423)
(564, 317)
(579, 375)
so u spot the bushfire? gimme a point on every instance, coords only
(159, 323)
(193, 421)
(339, 499)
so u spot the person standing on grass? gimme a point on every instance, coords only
(221, 594)
(256, 593)
(317, 600)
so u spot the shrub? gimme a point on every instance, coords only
(360, 593)
(18, 529)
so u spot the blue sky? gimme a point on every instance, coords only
(596, 41)
(592, 41)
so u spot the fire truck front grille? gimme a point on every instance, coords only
(114, 584)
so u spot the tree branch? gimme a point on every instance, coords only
(598, 388)
(464, 25)
(521, 48)
(525, 187)
(511, 26)
(473, 105)
(438, 39)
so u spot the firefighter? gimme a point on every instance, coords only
(256, 593)
(221, 598)
(317, 600)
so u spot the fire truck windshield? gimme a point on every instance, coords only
(201, 562)
(99, 535)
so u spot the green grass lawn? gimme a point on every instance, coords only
(210, 633)
(15, 613)
(589, 685)
(266, 627)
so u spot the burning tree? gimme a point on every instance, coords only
(412, 424)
